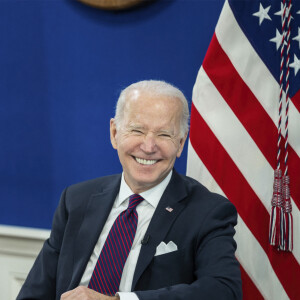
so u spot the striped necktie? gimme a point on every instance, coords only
(108, 270)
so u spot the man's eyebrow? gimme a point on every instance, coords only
(135, 126)
(166, 131)
(158, 131)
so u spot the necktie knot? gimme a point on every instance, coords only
(134, 201)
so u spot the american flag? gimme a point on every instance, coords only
(233, 136)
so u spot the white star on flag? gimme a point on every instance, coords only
(277, 39)
(280, 12)
(297, 38)
(262, 13)
(295, 64)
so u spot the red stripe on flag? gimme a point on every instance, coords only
(296, 100)
(249, 111)
(239, 192)
(250, 291)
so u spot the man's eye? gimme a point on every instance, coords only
(136, 131)
(165, 135)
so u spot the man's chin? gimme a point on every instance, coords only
(146, 183)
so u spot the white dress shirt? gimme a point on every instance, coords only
(145, 212)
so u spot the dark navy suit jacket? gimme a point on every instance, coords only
(201, 225)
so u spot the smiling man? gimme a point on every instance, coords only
(148, 233)
(148, 135)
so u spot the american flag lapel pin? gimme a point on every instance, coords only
(169, 209)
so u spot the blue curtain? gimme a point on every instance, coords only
(62, 66)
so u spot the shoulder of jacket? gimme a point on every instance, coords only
(96, 185)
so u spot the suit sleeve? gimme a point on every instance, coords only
(217, 272)
(41, 280)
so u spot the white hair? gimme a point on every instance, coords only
(156, 88)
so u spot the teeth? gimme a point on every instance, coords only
(146, 161)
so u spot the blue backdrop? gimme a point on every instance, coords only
(62, 66)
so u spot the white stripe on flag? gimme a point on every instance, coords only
(256, 263)
(249, 252)
(226, 126)
(242, 150)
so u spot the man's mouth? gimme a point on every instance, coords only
(146, 161)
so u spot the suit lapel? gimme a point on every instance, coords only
(96, 214)
(161, 222)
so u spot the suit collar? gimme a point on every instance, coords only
(154, 195)
(161, 222)
(96, 213)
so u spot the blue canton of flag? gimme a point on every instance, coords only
(264, 18)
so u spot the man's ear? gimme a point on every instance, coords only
(113, 133)
(182, 141)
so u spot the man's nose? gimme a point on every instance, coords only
(149, 144)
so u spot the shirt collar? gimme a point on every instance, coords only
(152, 196)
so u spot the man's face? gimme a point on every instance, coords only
(148, 140)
